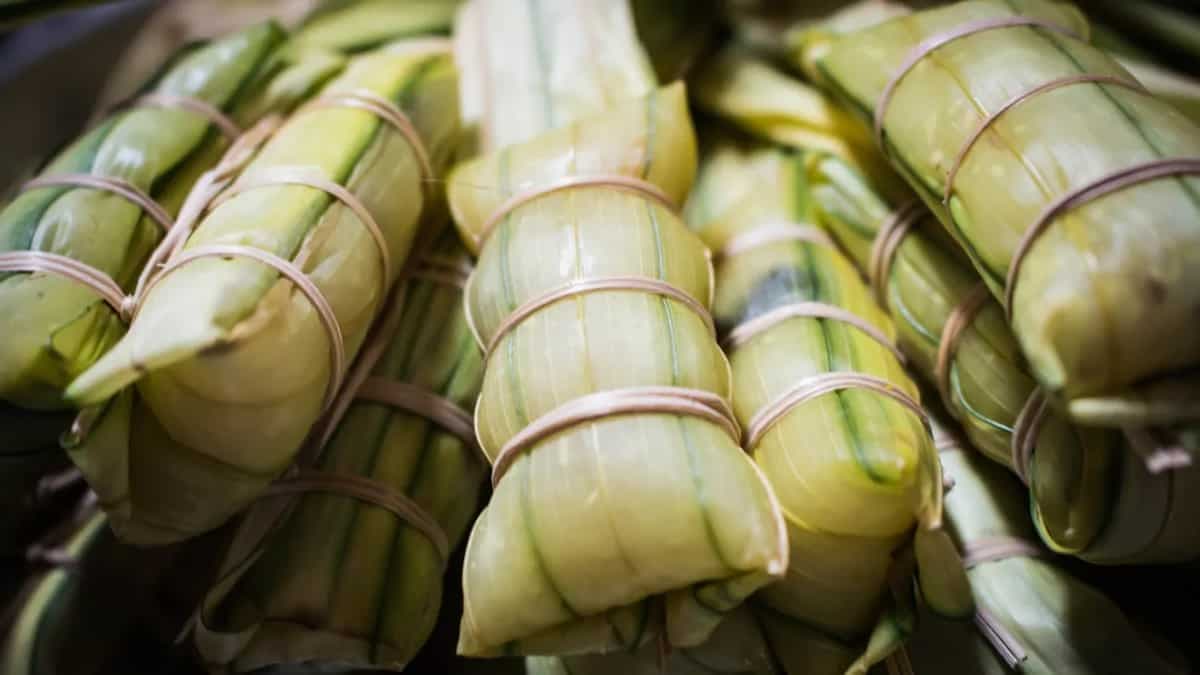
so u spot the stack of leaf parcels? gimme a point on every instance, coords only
(684, 359)
(624, 509)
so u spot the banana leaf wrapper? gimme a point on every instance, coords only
(715, 521)
(736, 647)
(231, 363)
(56, 327)
(345, 26)
(1105, 298)
(347, 583)
(1083, 481)
(82, 603)
(732, 83)
(854, 469)
(545, 52)
(1060, 624)
(679, 524)
(1092, 495)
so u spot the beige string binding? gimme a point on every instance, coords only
(586, 286)
(59, 265)
(69, 268)
(748, 330)
(995, 549)
(214, 191)
(1013, 102)
(208, 111)
(888, 237)
(314, 179)
(371, 492)
(960, 318)
(1025, 433)
(946, 442)
(1084, 194)
(121, 188)
(100, 282)
(420, 401)
(293, 274)
(773, 233)
(616, 181)
(816, 386)
(936, 42)
(696, 403)
(388, 112)
(1159, 449)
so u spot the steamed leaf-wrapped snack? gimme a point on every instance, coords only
(359, 25)
(106, 200)
(73, 241)
(1084, 482)
(829, 415)
(1092, 494)
(624, 511)
(242, 335)
(343, 580)
(1038, 618)
(1071, 188)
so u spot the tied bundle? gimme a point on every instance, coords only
(624, 511)
(829, 415)
(1033, 616)
(351, 573)
(75, 238)
(249, 312)
(1072, 189)
(1096, 493)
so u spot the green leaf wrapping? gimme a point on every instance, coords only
(737, 85)
(346, 582)
(231, 363)
(854, 470)
(1090, 491)
(1108, 294)
(358, 25)
(55, 328)
(1064, 626)
(533, 66)
(673, 502)
(597, 529)
(1084, 481)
